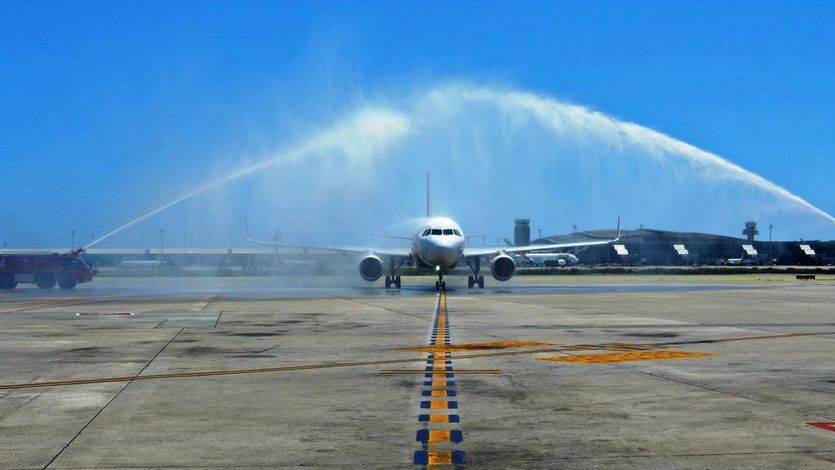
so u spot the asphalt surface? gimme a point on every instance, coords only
(162, 373)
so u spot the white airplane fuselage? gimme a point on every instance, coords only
(559, 259)
(439, 243)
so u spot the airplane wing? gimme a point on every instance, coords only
(486, 251)
(395, 252)
(495, 250)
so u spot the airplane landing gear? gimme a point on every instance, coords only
(475, 279)
(440, 284)
(472, 281)
(393, 281)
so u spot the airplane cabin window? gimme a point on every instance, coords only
(426, 232)
(447, 231)
(436, 231)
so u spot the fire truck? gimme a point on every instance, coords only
(67, 270)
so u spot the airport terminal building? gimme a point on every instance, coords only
(652, 247)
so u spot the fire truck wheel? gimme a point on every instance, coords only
(7, 281)
(45, 280)
(66, 282)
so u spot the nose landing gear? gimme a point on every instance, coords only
(440, 284)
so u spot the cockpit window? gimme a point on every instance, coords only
(448, 231)
(436, 231)
(456, 232)
(426, 232)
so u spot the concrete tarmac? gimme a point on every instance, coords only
(248, 374)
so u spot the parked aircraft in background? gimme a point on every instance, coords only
(551, 259)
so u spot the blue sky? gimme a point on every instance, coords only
(107, 108)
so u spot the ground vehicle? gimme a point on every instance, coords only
(67, 270)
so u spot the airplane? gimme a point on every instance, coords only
(551, 259)
(440, 245)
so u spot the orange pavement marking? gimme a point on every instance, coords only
(439, 435)
(626, 357)
(440, 457)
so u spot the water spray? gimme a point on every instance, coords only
(558, 115)
(371, 130)
(367, 132)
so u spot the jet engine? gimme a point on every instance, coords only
(503, 267)
(371, 268)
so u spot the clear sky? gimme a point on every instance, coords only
(110, 108)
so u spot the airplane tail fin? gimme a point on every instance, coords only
(617, 237)
(428, 198)
(246, 230)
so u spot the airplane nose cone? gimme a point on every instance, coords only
(442, 253)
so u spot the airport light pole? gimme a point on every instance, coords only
(185, 242)
(72, 239)
(161, 240)
(539, 230)
(276, 238)
(770, 246)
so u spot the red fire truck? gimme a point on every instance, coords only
(67, 270)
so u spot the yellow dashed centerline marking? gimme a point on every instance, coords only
(440, 457)
(439, 418)
(475, 346)
(439, 435)
(441, 373)
(438, 405)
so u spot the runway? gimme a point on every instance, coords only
(169, 374)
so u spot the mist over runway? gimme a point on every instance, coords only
(326, 287)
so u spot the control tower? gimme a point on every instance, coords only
(522, 232)
(750, 230)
